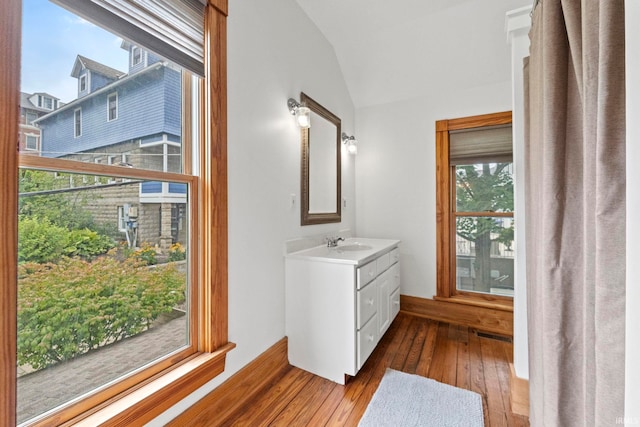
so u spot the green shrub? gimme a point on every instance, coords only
(88, 244)
(75, 306)
(40, 241)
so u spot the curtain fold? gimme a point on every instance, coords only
(575, 185)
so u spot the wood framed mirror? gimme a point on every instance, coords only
(321, 169)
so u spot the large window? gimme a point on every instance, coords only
(111, 287)
(475, 207)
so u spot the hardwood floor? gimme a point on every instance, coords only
(447, 353)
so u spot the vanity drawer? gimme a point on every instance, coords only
(394, 255)
(367, 340)
(366, 274)
(367, 303)
(382, 263)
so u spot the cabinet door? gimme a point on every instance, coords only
(367, 340)
(384, 306)
(395, 303)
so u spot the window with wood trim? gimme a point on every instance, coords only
(475, 215)
(92, 273)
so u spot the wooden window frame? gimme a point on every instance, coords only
(140, 399)
(445, 215)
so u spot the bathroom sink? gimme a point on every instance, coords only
(354, 247)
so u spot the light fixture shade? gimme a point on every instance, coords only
(303, 117)
(350, 142)
(352, 147)
(303, 114)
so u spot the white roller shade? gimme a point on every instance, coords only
(482, 145)
(173, 29)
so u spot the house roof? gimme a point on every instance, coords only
(25, 101)
(84, 62)
(125, 78)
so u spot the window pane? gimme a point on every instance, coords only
(102, 286)
(113, 102)
(484, 254)
(484, 187)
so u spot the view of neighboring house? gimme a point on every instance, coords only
(32, 107)
(127, 119)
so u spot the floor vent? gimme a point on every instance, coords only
(493, 336)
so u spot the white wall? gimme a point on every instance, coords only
(274, 52)
(632, 350)
(396, 173)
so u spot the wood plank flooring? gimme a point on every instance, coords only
(447, 353)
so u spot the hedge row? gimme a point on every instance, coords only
(75, 306)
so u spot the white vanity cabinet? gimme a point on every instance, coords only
(339, 304)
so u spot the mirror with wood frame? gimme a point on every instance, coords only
(321, 171)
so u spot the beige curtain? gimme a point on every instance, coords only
(576, 212)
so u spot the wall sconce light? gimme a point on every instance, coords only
(350, 142)
(303, 114)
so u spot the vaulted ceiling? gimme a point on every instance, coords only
(387, 50)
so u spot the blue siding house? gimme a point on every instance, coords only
(131, 118)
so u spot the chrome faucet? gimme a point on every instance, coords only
(332, 242)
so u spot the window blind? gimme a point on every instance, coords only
(482, 145)
(173, 29)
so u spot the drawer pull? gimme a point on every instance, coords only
(396, 302)
(370, 301)
(370, 338)
(371, 273)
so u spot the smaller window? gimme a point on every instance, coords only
(83, 83)
(31, 142)
(136, 55)
(112, 106)
(122, 223)
(47, 103)
(77, 123)
(31, 116)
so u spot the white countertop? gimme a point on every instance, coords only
(347, 252)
